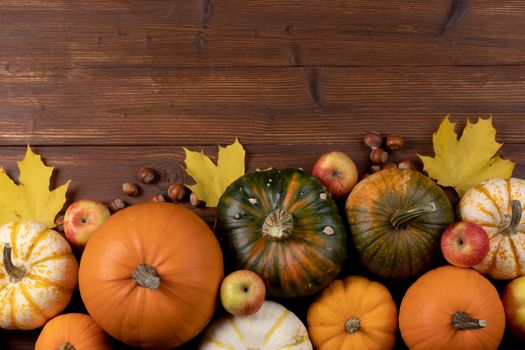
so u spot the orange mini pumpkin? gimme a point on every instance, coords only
(452, 308)
(354, 313)
(72, 332)
(149, 276)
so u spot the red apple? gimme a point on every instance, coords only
(242, 292)
(514, 305)
(337, 172)
(82, 218)
(464, 244)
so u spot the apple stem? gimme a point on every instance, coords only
(15, 273)
(402, 218)
(463, 321)
(352, 325)
(278, 225)
(515, 218)
(67, 346)
(146, 276)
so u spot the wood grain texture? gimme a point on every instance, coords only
(258, 105)
(192, 33)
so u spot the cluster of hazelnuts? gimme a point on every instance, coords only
(379, 152)
(177, 192)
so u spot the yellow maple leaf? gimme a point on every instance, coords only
(466, 162)
(31, 198)
(212, 180)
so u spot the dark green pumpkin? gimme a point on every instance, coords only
(283, 225)
(396, 220)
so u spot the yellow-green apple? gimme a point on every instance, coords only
(242, 292)
(337, 171)
(465, 244)
(82, 218)
(514, 305)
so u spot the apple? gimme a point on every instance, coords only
(242, 292)
(465, 244)
(82, 218)
(337, 172)
(514, 305)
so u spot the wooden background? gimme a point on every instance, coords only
(101, 88)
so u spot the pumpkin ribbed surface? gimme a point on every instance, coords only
(396, 219)
(38, 273)
(283, 225)
(490, 205)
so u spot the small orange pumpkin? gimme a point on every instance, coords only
(72, 332)
(150, 275)
(452, 308)
(354, 313)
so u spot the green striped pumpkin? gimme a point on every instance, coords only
(283, 225)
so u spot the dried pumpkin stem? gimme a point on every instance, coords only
(463, 321)
(515, 218)
(402, 218)
(146, 276)
(15, 273)
(278, 225)
(67, 346)
(352, 325)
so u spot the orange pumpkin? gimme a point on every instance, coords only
(72, 332)
(149, 276)
(452, 308)
(354, 313)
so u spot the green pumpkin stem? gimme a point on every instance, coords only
(278, 225)
(402, 218)
(463, 321)
(67, 346)
(352, 325)
(514, 221)
(146, 276)
(15, 273)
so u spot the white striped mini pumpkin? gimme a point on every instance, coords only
(272, 327)
(497, 206)
(38, 273)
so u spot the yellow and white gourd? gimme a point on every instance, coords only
(497, 205)
(38, 273)
(273, 327)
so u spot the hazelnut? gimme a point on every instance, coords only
(158, 197)
(116, 205)
(406, 164)
(395, 142)
(59, 223)
(195, 201)
(130, 189)
(375, 168)
(176, 192)
(378, 155)
(373, 139)
(146, 175)
(389, 165)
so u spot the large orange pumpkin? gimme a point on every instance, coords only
(72, 332)
(149, 276)
(452, 308)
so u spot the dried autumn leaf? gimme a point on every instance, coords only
(212, 180)
(466, 162)
(31, 198)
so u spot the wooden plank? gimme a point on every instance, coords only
(158, 33)
(258, 105)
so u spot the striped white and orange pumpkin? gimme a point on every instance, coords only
(38, 273)
(272, 327)
(497, 205)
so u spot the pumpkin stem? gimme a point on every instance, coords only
(402, 218)
(146, 276)
(352, 325)
(515, 218)
(278, 225)
(67, 346)
(15, 273)
(463, 321)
